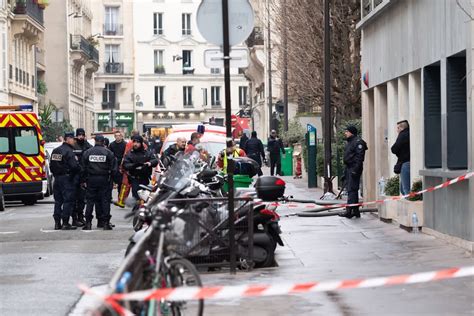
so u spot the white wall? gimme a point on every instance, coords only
(173, 43)
(4, 42)
(411, 35)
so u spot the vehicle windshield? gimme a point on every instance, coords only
(179, 174)
(4, 141)
(26, 140)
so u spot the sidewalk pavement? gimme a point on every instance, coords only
(335, 248)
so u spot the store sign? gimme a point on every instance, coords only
(119, 117)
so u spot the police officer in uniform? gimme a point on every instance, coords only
(99, 165)
(65, 168)
(354, 154)
(80, 146)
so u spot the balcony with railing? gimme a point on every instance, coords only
(88, 52)
(30, 8)
(216, 104)
(113, 29)
(113, 68)
(369, 9)
(160, 70)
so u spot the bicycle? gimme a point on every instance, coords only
(157, 265)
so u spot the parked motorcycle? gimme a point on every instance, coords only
(211, 243)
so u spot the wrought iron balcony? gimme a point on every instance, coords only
(113, 29)
(160, 69)
(113, 68)
(29, 8)
(78, 42)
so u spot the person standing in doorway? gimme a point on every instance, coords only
(254, 150)
(354, 155)
(401, 149)
(275, 147)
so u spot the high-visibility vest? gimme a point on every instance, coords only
(235, 154)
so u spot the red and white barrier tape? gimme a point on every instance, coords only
(396, 198)
(243, 291)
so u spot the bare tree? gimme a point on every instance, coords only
(304, 25)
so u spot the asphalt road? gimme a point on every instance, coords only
(40, 267)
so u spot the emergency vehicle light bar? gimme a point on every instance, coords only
(23, 107)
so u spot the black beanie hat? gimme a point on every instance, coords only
(80, 131)
(352, 129)
(137, 138)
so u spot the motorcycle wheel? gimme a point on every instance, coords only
(270, 257)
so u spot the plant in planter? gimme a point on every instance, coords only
(389, 209)
(416, 187)
(392, 187)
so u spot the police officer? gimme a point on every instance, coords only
(139, 163)
(65, 168)
(80, 146)
(354, 155)
(99, 165)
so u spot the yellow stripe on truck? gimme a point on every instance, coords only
(24, 174)
(15, 122)
(5, 121)
(25, 121)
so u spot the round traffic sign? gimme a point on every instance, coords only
(241, 21)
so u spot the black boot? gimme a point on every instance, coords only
(87, 226)
(107, 226)
(348, 213)
(100, 224)
(81, 219)
(57, 224)
(356, 212)
(76, 222)
(67, 226)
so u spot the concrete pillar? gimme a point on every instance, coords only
(416, 125)
(369, 181)
(403, 98)
(392, 119)
(380, 132)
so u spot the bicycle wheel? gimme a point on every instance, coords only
(183, 273)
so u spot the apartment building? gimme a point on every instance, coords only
(417, 63)
(114, 102)
(172, 84)
(21, 39)
(4, 65)
(73, 59)
(265, 70)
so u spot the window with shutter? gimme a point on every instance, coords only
(432, 113)
(456, 112)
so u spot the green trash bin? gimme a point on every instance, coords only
(240, 181)
(287, 162)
